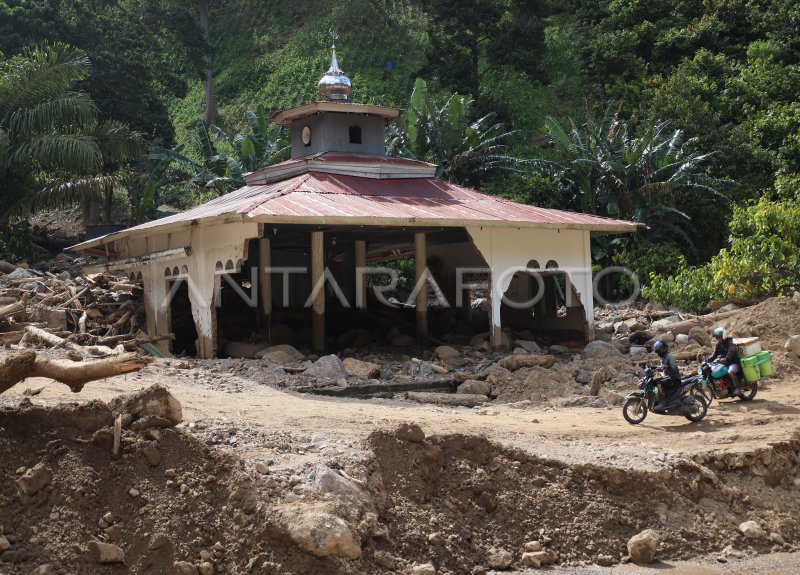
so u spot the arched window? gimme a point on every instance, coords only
(355, 134)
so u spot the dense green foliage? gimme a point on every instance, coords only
(52, 146)
(644, 109)
(444, 134)
(762, 259)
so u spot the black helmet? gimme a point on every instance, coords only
(660, 348)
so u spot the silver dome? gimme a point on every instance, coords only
(334, 85)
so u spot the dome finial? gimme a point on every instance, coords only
(335, 85)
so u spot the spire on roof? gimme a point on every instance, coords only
(335, 85)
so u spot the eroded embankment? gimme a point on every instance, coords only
(452, 501)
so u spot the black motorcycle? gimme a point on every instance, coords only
(686, 400)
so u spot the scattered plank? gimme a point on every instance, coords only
(451, 399)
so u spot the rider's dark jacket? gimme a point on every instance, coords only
(670, 368)
(727, 351)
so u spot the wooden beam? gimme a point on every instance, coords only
(265, 278)
(139, 261)
(361, 285)
(318, 306)
(421, 256)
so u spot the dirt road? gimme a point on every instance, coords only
(295, 432)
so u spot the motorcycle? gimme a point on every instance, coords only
(716, 383)
(686, 399)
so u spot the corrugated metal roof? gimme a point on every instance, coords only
(326, 198)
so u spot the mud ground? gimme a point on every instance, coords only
(578, 479)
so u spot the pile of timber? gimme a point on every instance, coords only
(96, 320)
(102, 309)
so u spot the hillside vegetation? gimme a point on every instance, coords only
(681, 114)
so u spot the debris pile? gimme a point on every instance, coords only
(97, 316)
(96, 309)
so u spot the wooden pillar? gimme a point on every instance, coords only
(421, 256)
(318, 306)
(361, 285)
(264, 277)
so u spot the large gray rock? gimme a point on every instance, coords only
(752, 530)
(474, 386)
(664, 324)
(358, 368)
(34, 479)
(499, 559)
(529, 346)
(792, 345)
(322, 534)
(599, 350)
(447, 352)
(642, 546)
(328, 367)
(20, 274)
(105, 553)
(328, 481)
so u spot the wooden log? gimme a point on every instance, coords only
(48, 338)
(12, 309)
(76, 374)
(452, 399)
(515, 362)
(378, 388)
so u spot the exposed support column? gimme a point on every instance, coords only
(264, 277)
(495, 329)
(361, 263)
(318, 306)
(421, 257)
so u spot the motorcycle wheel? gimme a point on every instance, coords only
(700, 410)
(634, 410)
(707, 393)
(749, 393)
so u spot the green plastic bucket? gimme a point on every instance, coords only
(750, 368)
(764, 363)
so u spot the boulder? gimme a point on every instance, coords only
(663, 324)
(277, 357)
(20, 274)
(154, 400)
(499, 559)
(284, 349)
(637, 350)
(529, 346)
(792, 345)
(358, 368)
(328, 367)
(322, 534)
(600, 350)
(34, 479)
(447, 352)
(474, 386)
(424, 569)
(701, 335)
(635, 324)
(642, 546)
(104, 553)
(327, 480)
(622, 328)
(682, 339)
(536, 558)
(410, 432)
(752, 530)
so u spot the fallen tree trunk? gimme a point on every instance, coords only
(74, 374)
(452, 399)
(12, 309)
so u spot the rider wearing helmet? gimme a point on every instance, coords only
(728, 354)
(672, 376)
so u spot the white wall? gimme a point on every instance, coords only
(507, 250)
(210, 244)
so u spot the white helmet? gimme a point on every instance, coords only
(719, 332)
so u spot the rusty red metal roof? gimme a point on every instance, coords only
(335, 199)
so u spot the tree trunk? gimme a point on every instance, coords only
(17, 367)
(211, 114)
